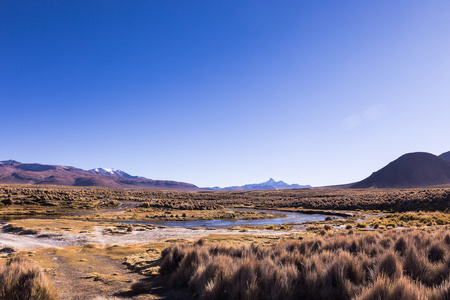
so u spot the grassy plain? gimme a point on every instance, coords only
(398, 239)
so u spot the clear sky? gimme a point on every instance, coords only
(220, 93)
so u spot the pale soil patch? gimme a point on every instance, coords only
(28, 242)
(99, 236)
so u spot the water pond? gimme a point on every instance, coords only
(284, 218)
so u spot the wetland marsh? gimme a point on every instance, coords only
(111, 242)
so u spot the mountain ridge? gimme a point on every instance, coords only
(445, 155)
(14, 172)
(271, 184)
(417, 169)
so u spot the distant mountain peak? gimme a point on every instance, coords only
(418, 169)
(113, 172)
(271, 184)
(9, 162)
(104, 170)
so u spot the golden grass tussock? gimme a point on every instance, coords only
(21, 279)
(401, 289)
(393, 264)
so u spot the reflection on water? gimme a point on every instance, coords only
(285, 218)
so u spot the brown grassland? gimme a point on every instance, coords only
(411, 264)
(60, 200)
(386, 244)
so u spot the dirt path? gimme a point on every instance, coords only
(83, 276)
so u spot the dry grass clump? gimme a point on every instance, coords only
(20, 279)
(402, 289)
(408, 219)
(145, 263)
(380, 265)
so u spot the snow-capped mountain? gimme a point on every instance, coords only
(8, 162)
(113, 172)
(271, 184)
(14, 172)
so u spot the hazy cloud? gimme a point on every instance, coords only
(352, 121)
(373, 113)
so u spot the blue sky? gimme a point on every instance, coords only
(225, 92)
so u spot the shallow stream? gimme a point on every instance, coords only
(285, 218)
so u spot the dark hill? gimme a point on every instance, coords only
(13, 172)
(445, 155)
(418, 169)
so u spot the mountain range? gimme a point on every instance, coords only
(267, 185)
(419, 169)
(13, 172)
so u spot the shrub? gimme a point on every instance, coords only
(390, 266)
(361, 225)
(140, 287)
(20, 279)
(436, 253)
(400, 245)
